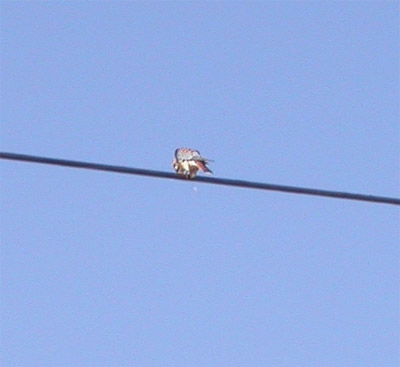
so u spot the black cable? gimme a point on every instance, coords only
(217, 181)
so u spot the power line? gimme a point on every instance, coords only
(210, 180)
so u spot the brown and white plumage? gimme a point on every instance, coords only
(188, 161)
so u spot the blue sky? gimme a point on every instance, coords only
(101, 269)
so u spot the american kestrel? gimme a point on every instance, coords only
(188, 161)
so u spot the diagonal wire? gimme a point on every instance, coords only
(210, 180)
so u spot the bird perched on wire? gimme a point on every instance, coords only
(188, 161)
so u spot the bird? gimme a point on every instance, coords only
(188, 161)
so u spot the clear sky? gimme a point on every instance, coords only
(101, 269)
